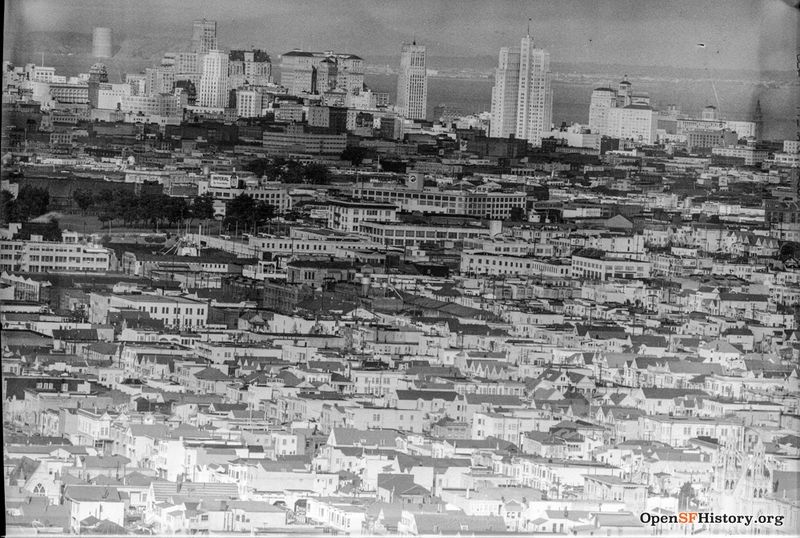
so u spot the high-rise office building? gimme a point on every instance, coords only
(504, 94)
(214, 81)
(159, 79)
(248, 67)
(412, 82)
(535, 99)
(633, 122)
(101, 42)
(602, 100)
(522, 101)
(305, 72)
(204, 36)
(249, 102)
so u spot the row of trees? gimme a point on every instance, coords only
(154, 209)
(158, 210)
(288, 171)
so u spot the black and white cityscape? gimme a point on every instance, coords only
(378, 268)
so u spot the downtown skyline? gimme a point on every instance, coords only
(736, 35)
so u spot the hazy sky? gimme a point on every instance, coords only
(747, 34)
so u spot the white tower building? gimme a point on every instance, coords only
(505, 93)
(535, 99)
(214, 81)
(602, 100)
(412, 82)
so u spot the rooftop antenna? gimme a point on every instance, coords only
(529, 26)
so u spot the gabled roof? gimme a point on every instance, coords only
(211, 374)
(81, 493)
(670, 393)
(356, 437)
(494, 399)
(427, 395)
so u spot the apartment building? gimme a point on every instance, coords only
(173, 311)
(39, 256)
(482, 263)
(349, 216)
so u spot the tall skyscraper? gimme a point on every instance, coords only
(535, 99)
(602, 100)
(101, 42)
(412, 82)
(204, 36)
(522, 102)
(214, 81)
(504, 94)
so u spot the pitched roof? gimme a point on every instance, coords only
(211, 374)
(80, 493)
(447, 395)
(356, 437)
(670, 393)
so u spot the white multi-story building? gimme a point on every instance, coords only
(214, 81)
(38, 256)
(483, 263)
(401, 234)
(632, 122)
(249, 103)
(162, 104)
(412, 82)
(248, 68)
(750, 154)
(535, 99)
(491, 204)
(159, 79)
(112, 96)
(602, 100)
(173, 311)
(505, 92)
(607, 269)
(305, 72)
(349, 216)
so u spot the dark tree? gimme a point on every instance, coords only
(103, 197)
(84, 199)
(317, 174)
(32, 202)
(175, 209)
(293, 172)
(203, 207)
(8, 208)
(240, 210)
(50, 230)
(264, 212)
(516, 214)
(259, 167)
(354, 154)
(685, 496)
